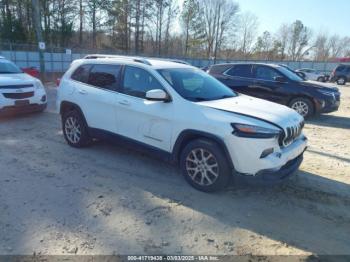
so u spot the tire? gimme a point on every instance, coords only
(321, 79)
(303, 106)
(79, 137)
(198, 172)
(341, 81)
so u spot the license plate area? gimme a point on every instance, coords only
(20, 103)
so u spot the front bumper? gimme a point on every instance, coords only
(329, 106)
(14, 110)
(271, 176)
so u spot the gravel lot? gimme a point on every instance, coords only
(110, 200)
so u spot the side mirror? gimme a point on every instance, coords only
(302, 75)
(157, 95)
(280, 79)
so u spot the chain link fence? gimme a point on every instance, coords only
(57, 59)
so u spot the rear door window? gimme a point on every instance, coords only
(240, 71)
(340, 68)
(105, 76)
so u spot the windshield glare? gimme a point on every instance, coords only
(196, 85)
(7, 67)
(290, 74)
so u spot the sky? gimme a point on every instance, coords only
(331, 16)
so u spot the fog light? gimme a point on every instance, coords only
(266, 152)
(43, 98)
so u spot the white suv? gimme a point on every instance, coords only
(182, 114)
(19, 92)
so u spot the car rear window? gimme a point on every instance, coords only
(240, 70)
(104, 76)
(81, 74)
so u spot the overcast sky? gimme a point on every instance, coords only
(331, 16)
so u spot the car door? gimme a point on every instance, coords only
(96, 93)
(266, 86)
(239, 78)
(149, 122)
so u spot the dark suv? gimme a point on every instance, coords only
(341, 74)
(278, 84)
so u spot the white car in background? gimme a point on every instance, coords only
(312, 74)
(19, 92)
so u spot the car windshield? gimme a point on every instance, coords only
(290, 74)
(196, 85)
(7, 67)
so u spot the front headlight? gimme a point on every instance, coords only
(327, 93)
(250, 131)
(39, 85)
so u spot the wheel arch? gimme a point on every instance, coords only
(67, 106)
(189, 135)
(314, 104)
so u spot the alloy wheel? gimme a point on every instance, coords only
(341, 81)
(72, 129)
(301, 107)
(202, 167)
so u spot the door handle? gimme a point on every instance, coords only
(124, 102)
(82, 91)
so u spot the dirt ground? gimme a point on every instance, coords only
(110, 200)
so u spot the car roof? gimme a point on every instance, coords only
(155, 63)
(248, 63)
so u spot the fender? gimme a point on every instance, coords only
(190, 134)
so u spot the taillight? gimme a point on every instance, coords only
(58, 81)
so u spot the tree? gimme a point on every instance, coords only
(191, 20)
(282, 41)
(264, 46)
(299, 40)
(219, 17)
(248, 29)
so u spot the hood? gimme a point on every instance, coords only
(273, 113)
(319, 85)
(16, 79)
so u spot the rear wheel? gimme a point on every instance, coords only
(303, 106)
(204, 166)
(321, 79)
(341, 81)
(75, 129)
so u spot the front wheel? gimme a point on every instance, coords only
(303, 106)
(341, 81)
(75, 129)
(204, 166)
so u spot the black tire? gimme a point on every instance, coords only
(321, 79)
(223, 170)
(341, 81)
(84, 138)
(305, 102)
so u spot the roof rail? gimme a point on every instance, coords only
(135, 59)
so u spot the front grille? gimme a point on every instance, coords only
(291, 133)
(337, 96)
(16, 86)
(18, 95)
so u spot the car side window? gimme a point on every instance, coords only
(348, 69)
(138, 81)
(105, 76)
(81, 74)
(266, 73)
(241, 71)
(340, 68)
